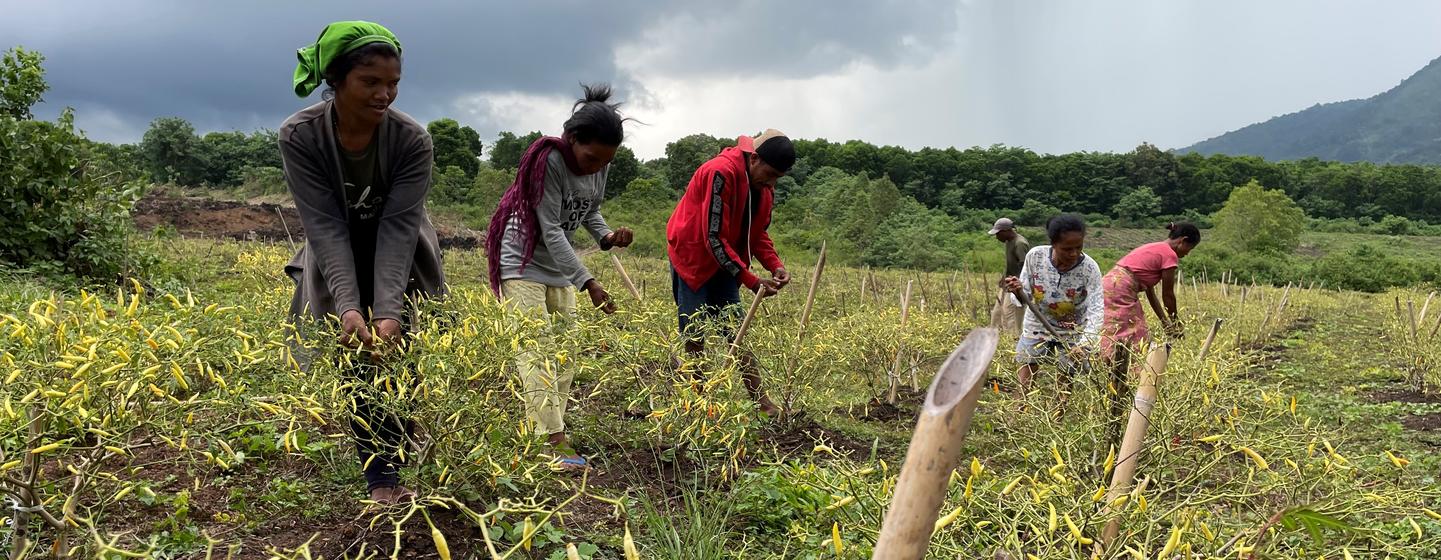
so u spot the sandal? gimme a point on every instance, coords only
(573, 463)
(398, 495)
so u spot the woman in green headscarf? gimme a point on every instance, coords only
(359, 172)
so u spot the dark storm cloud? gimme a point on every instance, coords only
(227, 65)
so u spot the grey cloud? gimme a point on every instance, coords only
(227, 65)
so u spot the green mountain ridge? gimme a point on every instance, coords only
(1400, 125)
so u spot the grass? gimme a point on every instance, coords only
(703, 465)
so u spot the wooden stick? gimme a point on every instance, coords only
(614, 258)
(1421, 318)
(746, 324)
(287, 228)
(895, 376)
(1135, 437)
(1036, 310)
(875, 291)
(811, 294)
(951, 298)
(1210, 338)
(1411, 314)
(1435, 328)
(935, 449)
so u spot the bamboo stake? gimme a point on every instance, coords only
(895, 376)
(811, 294)
(1210, 338)
(935, 449)
(746, 324)
(1411, 314)
(863, 285)
(951, 298)
(20, 522)
(1135, 437)
(875, 291)
(625, 278)
(1435, 328)
(1421, 319)
(289, 237)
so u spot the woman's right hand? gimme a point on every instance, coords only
(353, 331)
(599, 296)
(1012, 284)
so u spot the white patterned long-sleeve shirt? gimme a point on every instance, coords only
(1071, 299)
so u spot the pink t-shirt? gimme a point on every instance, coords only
(1147, 261)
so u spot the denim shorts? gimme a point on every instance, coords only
(1034, 351)
(715, 305)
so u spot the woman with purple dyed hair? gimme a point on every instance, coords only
(559, 186)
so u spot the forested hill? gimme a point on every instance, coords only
(1402, 125)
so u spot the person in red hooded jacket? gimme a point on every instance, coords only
(717, 227)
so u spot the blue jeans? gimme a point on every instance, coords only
(715, 304)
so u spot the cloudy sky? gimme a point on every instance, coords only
(1054, 76)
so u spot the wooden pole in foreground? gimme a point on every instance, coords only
(935, 449)
(1210, 338)
(625, 277)
(1135, 437)
(1421, 319)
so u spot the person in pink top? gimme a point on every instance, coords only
(1123, 328)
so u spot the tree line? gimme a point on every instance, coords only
(1137, 187)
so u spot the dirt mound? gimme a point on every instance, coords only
(1423, 422)
(234, 219)
(1404, 395)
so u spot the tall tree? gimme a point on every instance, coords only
(22, 82)
(623, 169)
(455, 145)
(173, 154)
(683, 156)
(1259, 220)
(508, 148)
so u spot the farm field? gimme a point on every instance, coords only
(170, 419)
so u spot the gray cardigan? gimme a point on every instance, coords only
(407, 253)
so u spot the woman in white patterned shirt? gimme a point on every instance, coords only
(1065, 283)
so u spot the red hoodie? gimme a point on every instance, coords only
(707, 232)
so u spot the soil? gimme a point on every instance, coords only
(1404, 395)
(245, 221)
(908, 405)
(801, 435)
(1423, 422)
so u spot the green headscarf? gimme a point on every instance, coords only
(337, 39)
